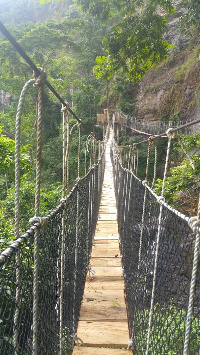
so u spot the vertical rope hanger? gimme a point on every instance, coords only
(77, 234)
(186, 153)
(144, 201)
(155, 165)
(65, 156)
(39, 83)
(79, 150)
(161, 198)
(17, 213)
(132, 157)
(137, 162)
(64, 190)
(86, 151)
(194, 223)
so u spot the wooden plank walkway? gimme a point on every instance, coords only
(103, 325)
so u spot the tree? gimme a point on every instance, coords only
(134, 42)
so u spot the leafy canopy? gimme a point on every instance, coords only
(134, 42)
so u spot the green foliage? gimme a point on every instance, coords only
(134, 42)
(7, 162)
(189, 66)
(170, 322)
(192, 18)
(49, 199)
(104, 68)
(6, 229)
(183, 176)
(122, 92)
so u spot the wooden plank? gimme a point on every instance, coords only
(103, 283)
(106, 262)
(106, 217)
(111, 311)
(107, 230)
(113, 243)
(112, 334)
(108, 209)
(104, 305)
(103, 224)
(83, 350)
(102, 295)
(107, 238)
(108, 271)
(100, 239)
(105, 252)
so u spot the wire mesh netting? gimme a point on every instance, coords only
(71, 227)
(20, 261)
(161, 331)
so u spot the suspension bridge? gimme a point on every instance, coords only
(112, 269)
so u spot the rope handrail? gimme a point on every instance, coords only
(164, 134)
(11, 39)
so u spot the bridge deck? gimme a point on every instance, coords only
(103, 325)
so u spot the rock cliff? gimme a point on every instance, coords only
(172, 90)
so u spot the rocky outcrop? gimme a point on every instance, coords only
(172, 90)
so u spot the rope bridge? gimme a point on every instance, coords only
(43, 271)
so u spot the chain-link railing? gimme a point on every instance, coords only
(157, 247)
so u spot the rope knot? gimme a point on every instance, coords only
(65, 108)
(91, 271)
(40, 222)
(150, 139)
(130, 344)
(63, 200)
(144, 182)
(39, 80)
(160, 199)
(170, 133)
(78, 341)
(194, 223)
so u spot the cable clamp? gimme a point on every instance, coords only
(160, 199)
(39, 80)
(194, 223)
(63, 200)
(40, 222)
(170, 133)
(65, 108)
